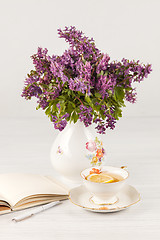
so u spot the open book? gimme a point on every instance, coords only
(20, 191)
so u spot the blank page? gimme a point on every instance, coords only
(16, 186)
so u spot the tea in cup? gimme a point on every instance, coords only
(104, 183)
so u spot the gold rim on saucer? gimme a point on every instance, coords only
(105, 208)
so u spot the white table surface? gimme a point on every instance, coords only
(25, 146)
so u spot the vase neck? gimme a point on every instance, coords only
(78, 124)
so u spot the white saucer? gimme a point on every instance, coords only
(82, 198)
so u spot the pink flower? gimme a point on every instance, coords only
(91, 146)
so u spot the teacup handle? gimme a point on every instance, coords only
(124, 167)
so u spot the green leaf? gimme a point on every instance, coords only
(38, 107)
(50, 86)
(91, 105)
(69, 92)
(54, 107)
(98, 95)
(43, 85)
(117, 113)
(109, 93)
(73, 105)
(62, 97)
(74, 117)
(119, 94)
(106, 73)
(87, 98)
(70, 107)
(48, 111)
(63, 106)
(123, 105)
(128, 88)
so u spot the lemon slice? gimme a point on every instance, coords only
(100, 178)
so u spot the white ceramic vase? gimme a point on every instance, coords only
(77, 147)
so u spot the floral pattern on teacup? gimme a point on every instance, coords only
(96, 155)
(95, 170)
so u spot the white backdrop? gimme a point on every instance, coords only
(123, 28)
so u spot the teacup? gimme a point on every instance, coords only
(105, 193)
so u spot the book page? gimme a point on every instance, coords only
(15, 186)
(58, 182)
(3, 201)
(38, 202)
(4, 206)
(4, 209)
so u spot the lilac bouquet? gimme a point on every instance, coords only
(82, 83)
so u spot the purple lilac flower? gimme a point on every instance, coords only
(57, 71)
(103, 107)
(136, 70)
(82, 81)
(82, 70)
(58, 106)
(46, 79)
(102, 125)
(43, 103)
(40, 60)
(31, 80)
(130, 96)
(65, 115)
(51, 95)
(96, 104)
(69, 59)
(101, 128)
(110, 121)
(77, 84)
(61, 123)
(85, 115)
(105, 83)
(81, 43)
(31, 91)
(103, 64)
